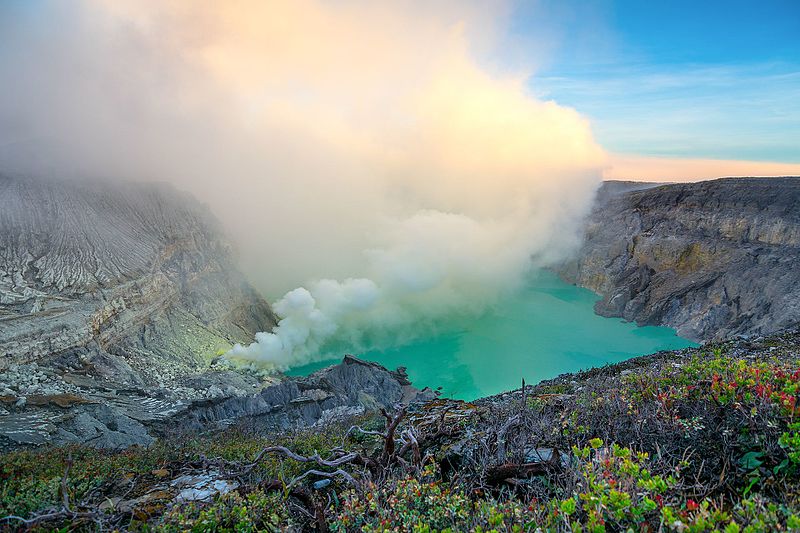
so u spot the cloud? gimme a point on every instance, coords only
(375, 143)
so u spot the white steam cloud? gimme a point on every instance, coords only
(382, 144)
(434, 266)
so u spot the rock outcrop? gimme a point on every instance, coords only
(713, 260)
(115, 419)
(350, 388)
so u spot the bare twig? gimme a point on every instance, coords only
(417, 455)
(501, 436)
(347, 458)
(64, 488)
(330, 475)
(388, 437)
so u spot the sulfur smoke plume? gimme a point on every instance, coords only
(377, 160)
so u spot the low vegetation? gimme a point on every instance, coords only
(695, 440)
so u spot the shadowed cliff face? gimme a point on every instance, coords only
(132, 283)
(711, 259)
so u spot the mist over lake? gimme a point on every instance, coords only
(547, 329)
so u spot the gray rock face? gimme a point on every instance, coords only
(341, 391)
(120, 294)
(134, 284)
(712, 259)
(107, 420)
(103, 426)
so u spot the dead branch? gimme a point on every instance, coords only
(54, 516)
(64, 478)
(524, 403)
(412, 441)
(299, 493)
(501, 436)
(498, 474)
(330, 475)
(347, 458)
(363, 431)
(388, 437)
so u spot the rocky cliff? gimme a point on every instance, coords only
(132, 282)
(115, 300)
(713, 259)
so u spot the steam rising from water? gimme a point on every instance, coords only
(435, 266)
(379, 144)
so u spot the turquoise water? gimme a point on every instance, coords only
(547, 329)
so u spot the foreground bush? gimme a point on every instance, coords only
(614, 492)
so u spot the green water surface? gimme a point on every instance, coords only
(547, 329)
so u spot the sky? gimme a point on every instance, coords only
(697, 81)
